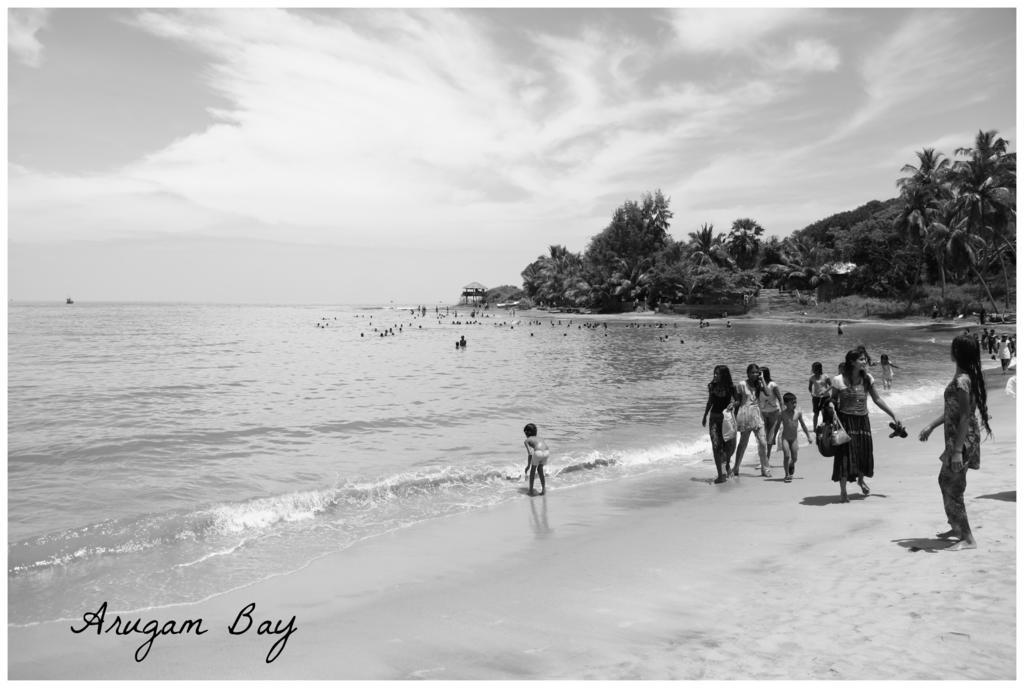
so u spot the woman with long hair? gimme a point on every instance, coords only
(749, 419)
(963, 399)
(855, 460)
(721, 397)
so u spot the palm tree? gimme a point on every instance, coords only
(987, 180)
(929, 174)
(983, 200)
(561, 273)
(963, 246)
(744, 241)
(988, 146)
(707, 247)
(936, 242)
(923, 191)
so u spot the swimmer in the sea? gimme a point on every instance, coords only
(537, 454)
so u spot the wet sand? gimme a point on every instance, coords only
(646, 578)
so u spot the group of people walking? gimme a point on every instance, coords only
(756, 407)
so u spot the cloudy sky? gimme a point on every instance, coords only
(358, 156)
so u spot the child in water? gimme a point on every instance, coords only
(789, 417)
(818, 385)
(537, 454)
(887, 368)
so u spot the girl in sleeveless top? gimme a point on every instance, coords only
(963, 399)
(749, 420)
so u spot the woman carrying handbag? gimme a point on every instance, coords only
(721, 397)
(855, 460)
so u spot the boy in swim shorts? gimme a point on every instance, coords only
(537, 454)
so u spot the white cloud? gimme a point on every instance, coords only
(22, 26)
(418, 128)
(730, 30)
(414, 130)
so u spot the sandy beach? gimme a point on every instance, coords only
(631, 579)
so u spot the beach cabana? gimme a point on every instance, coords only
(474, 292)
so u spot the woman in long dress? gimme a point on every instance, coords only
(721, 398)
(964, 397)
(855, 460)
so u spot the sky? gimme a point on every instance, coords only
(383, 155)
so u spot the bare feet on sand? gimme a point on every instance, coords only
(949, 534)
(963, 544)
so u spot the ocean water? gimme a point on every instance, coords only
(165, 453)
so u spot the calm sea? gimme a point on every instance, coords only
(162, 453)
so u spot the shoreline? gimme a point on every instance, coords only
(641, 578)
(915, 322)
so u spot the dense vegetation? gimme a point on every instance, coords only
(953, 225)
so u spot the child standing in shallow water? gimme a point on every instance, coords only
(537, 454)
(887, 368)
(789, 417)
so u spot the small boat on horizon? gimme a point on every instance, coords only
(69, 300)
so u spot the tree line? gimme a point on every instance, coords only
(953, 222)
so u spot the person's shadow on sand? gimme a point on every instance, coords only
(930, 545)
(825, 500)
(1008, 496)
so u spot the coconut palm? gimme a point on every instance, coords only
(929, 174)
(987, 206)
(561, 273)
(706, 247)
(936, 242)
(963, 247)
(744, 241)
(988, 146)
(923, 192)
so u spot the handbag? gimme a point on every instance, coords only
(840, 436)
(828, 437)
(728, 426)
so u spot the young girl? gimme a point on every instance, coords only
(818, 385)
(855, 460)
(789, 418)
(887, 368)
(537, 454)
(721, 397)
(963, 399)
(770, 404)
(749, 420)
